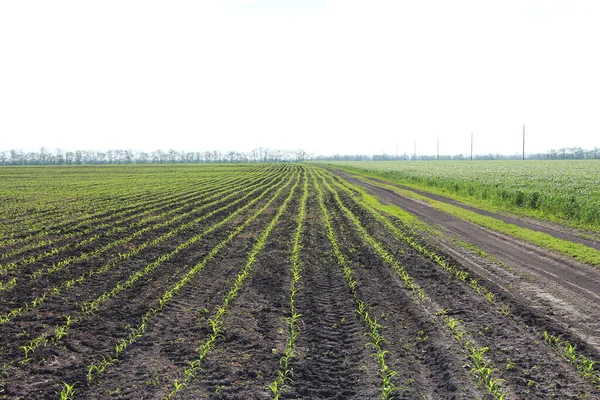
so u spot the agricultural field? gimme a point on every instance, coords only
(284, 281)
(567, 191)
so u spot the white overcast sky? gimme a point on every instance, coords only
(325, 76)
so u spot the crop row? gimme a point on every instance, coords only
(97, 368)
(102, 198)
(284, 374)
(121, 257)
(216, 320)
(25, 221)
(114, 208)
(94, 305)
(100, 230)
(102, 220)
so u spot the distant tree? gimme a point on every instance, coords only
(43, 156)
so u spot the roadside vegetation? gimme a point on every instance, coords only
(561, 191)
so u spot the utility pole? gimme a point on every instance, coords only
(523, 142)
(438, 148)
(471, 146)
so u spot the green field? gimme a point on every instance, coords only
(565, 191)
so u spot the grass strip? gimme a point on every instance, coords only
(578, 251)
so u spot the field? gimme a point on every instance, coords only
(567, 191)
(285, 281)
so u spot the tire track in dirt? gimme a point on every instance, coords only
(563, 288)
(332, 360)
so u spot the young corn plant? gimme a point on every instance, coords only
(68, 391)
(284, 374)
(586, 366)
(481, 368)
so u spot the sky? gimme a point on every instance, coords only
(326, 76)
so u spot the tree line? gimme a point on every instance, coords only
(90, 157)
